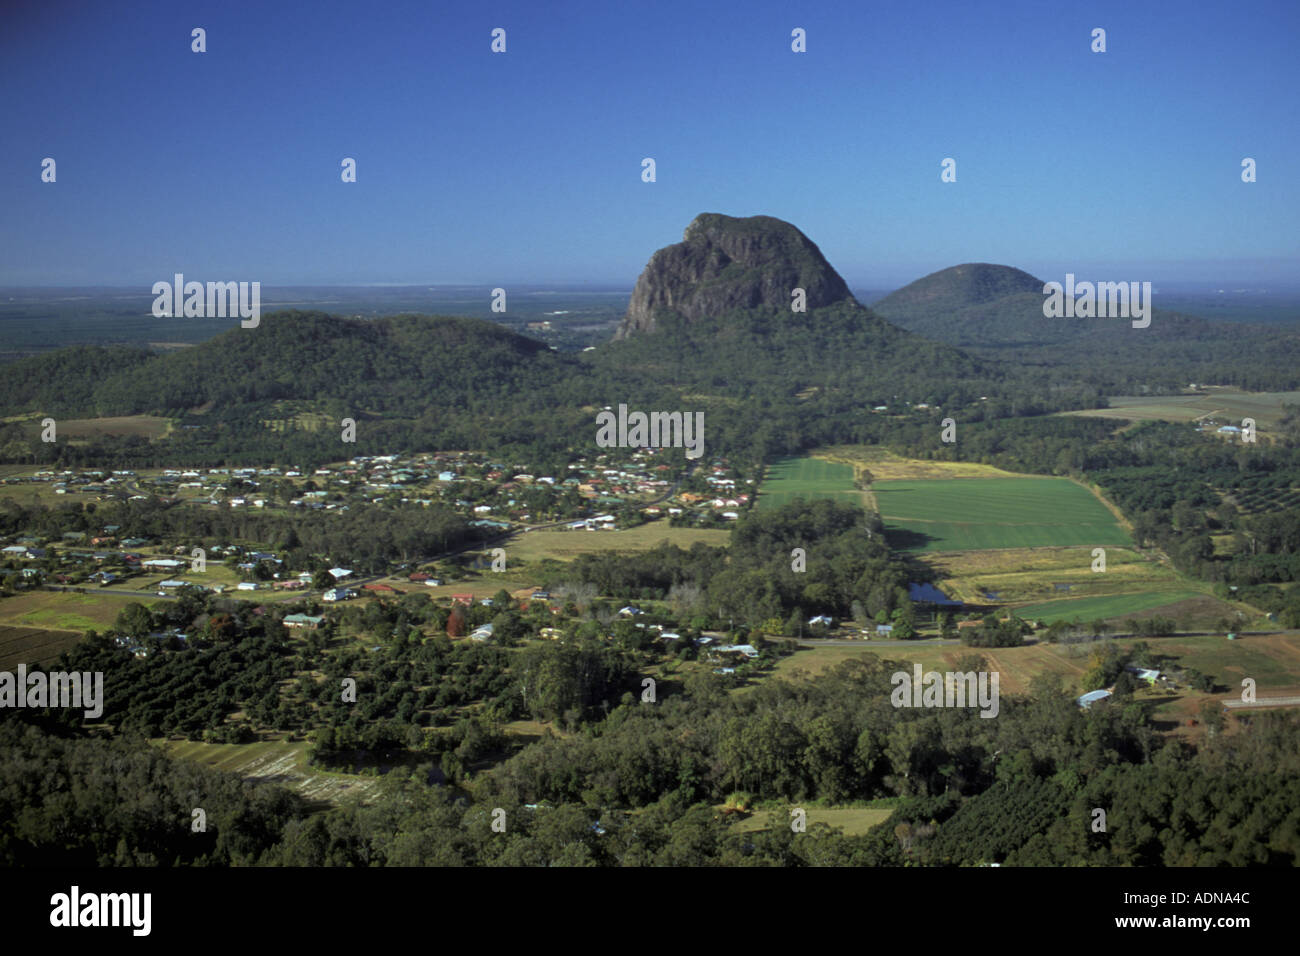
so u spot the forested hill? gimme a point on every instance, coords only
(717, 332)
(402, 365)
(996, 312)
(768, 382)
(959, 287)
(282, 390)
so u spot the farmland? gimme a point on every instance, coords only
(884, 465)
(274, 761)
(1000, 539)
(1221, 404)
(1106, 607)
(808, 478)
(26, 645)
(980, 514)
(1272, 660)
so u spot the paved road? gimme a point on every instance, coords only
(117, 592)
(1264, 702)
(855, 642)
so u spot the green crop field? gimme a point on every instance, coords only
(975, 514)
(807, 478)
(1104, 607)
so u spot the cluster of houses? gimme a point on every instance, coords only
(489, 493)
(1211, 425)
(65, 562)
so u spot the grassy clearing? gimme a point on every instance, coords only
(1272, 660)
(145, 426)
(980, 514)
(30, 493)
(1222, 404)
(808, 478)
(61, 610)
(274, 761)
(854, 821)
(566, 545)
(1016, 665)
(811, 662)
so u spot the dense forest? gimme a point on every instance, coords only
(420, 383)
(638, 788)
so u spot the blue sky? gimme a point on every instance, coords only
(476, 167)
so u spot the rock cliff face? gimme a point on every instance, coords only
(725, 263)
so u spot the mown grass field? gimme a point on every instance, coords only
(808, 478)
(566, 545)
(61, 610)
(30, 493)
(1272, 660)
(975, 514)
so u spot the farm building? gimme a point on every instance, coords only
(1090, 698)
(303, 620)
(747, 649)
